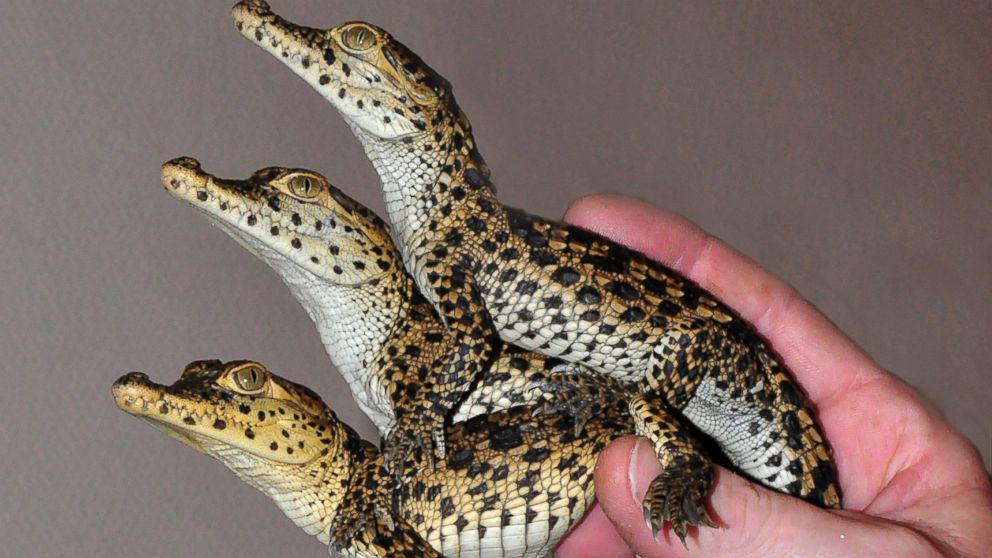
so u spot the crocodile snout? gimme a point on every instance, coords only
(183, 173)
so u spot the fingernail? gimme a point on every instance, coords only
(632, 471)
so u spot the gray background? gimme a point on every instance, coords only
(845, 146)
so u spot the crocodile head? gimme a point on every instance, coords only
(334, 254)
(275, 435)
(379, 85)
(293, 219)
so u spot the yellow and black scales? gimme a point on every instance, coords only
(495, 273)
(533, 316)
(336, 257)
(509, 483)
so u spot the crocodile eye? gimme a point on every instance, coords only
(250, 378)
(303, 186)
(358, 38)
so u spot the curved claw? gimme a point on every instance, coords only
(561, 384)
(547, 386)
(564, 397)
(580, 416)
(566, 368)
(678, 501)
(384, 516)
(360, 524)
(400, 448)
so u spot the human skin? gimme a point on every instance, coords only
(912, 485)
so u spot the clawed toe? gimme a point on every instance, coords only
(577, 406)
(678, 500)
(414, 447)
(565, 368)
(570, 391)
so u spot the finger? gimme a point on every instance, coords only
(826, 368)
(753, 521)
(593, 537)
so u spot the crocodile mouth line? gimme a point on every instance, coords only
(265, 29)
(158, 409)
(154, 404)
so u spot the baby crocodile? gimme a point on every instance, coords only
(494, 272)
(510, 487)
(339, 262)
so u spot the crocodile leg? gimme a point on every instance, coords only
(473, 339)
(735, 393)
(678, 493)
(582, 395)
(362, 533)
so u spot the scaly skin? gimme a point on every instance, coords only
(546, 286)
(381, 336)
(338, 260)
(511, 487)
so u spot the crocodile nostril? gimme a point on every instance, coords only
(185, 162)
(131, 378)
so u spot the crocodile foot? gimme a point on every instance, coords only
(678, 498)
(570, 389)
(678, 494)
(412, 445)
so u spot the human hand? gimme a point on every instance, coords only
(912, 485)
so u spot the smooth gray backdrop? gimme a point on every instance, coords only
(846, 146)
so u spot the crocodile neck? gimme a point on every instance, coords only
(417, 172)
(295, 489)
(356, 324)
(406, 182)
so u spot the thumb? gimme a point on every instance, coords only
(753, 521)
